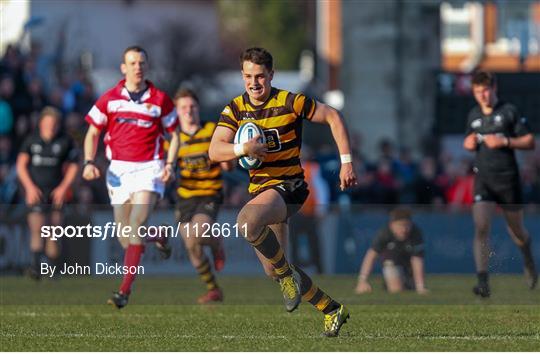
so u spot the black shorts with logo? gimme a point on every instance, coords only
(505, 190)
(294, 193)
(186, 208)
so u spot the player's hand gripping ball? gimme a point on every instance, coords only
(245, 133)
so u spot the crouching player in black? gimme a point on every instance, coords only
(494, 130)
(40, 167)
(401, 248)
(199, 193)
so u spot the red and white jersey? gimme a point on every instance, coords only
(134, 130)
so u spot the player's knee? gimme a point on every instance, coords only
(136, 220)
(134, 240)
(35, 230)
(482, 231)
(394, 289)
(124, 242)
(192, 248)
(36, 242)
(252, 227)
(52, 250)
(517, 229)
(519, 234)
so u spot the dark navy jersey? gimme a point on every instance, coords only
(47, 158)
(386, 244)
(506, 121)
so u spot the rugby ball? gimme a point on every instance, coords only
(246, 132)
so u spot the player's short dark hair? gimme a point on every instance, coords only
(50, 111)
(185, 92)
(134, 48)
(400, 214)
(483, 78)
(259, 56)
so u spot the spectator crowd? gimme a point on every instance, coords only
(32, 80)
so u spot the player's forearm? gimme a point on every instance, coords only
(367, 265)
(70, 175)
(221, 151)
(22, 172)
(172, 153)
(339, 131)
(525, 142)
(91, 143)
(470, 142)
(417, 264)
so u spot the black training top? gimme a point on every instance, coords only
(505, 120)
(386, 244)
(47, 158)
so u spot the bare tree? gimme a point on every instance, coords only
(187, 56)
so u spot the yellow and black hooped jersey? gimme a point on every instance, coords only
(198, 175)
(281, 118)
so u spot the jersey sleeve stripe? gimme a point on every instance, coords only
(96, 117)
(289, 101)
(304, 106)
(228, 120)
(169, 120)
(309, 108)
(298, 104)
(227, 125)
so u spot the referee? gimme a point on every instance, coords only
(47, 165)
(494, 130)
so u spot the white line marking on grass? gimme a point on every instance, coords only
(142, 336)
(453, 337)
(191, 336)
(113, 314)
(83, 314)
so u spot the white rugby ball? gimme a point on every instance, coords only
(246, 132)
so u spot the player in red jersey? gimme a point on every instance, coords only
(135, 115)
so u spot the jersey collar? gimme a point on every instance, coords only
(245, 97)
(122, 90)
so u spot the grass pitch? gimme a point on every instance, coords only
(70, 314)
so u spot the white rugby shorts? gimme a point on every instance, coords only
(126, 177)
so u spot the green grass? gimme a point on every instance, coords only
(70, 315)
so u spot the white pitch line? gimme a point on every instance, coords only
(118, 336)
(186, 336)
(83, 314)
(489, 337)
